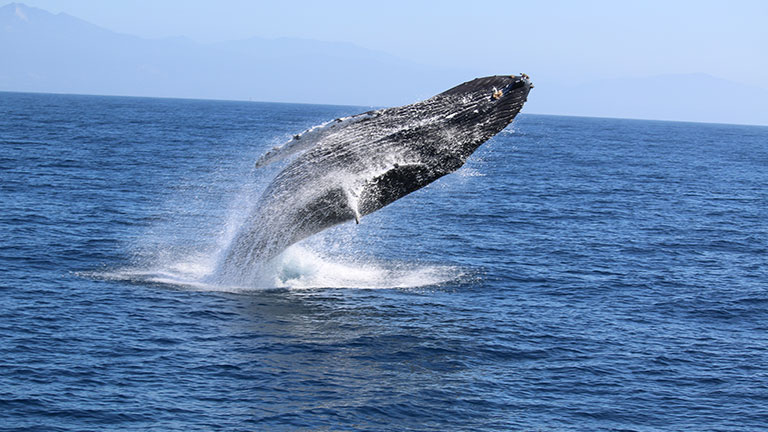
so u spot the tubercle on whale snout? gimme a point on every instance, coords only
(496, 87)
(520, 83)
(523, 81)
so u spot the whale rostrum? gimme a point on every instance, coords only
(350, 167)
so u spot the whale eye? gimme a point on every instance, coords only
(497, 94)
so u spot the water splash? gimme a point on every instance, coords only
(298, 267)
(339, 172)
(198, 225)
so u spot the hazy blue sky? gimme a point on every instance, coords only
(547, 39)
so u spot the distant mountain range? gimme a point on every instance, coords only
(58, 53)
(43, 52)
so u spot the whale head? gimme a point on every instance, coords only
(479, 109)
(498, 96)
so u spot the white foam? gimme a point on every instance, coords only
(300, 268)
(297, 268)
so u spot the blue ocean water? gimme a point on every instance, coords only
(577, 274)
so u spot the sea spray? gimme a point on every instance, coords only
(184, 248)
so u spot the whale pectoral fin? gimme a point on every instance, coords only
(394, 184)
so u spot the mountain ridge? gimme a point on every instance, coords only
(60, 53)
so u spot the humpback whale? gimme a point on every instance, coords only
(350, 167)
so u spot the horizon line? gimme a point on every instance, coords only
(369, 107)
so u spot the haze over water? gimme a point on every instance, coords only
(577, 274)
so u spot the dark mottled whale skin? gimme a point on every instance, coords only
(354, 166)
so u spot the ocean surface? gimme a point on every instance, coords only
(578, 274)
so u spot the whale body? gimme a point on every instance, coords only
(350, 167)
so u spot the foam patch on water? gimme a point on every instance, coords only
(301, 268)
(296, 268)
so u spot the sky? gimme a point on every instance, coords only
(582, 40)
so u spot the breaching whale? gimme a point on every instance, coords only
(350, 167)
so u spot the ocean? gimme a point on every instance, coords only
(577, 274)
